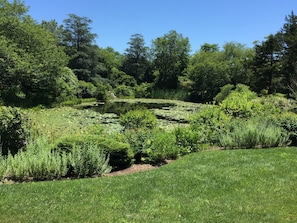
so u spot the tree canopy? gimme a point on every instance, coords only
(48, 63)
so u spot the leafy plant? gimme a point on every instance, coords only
(240, 103)
(224, 92)
(209, 122)
(139, 118)
(188, 140)
(14, 130)
(137, 140)
(160, 147)
(288, 122)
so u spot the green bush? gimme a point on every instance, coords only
(223, 94)
(153, 146)
(123, 91)
(39, 162)
(14, 130)
(139, 118)
(142, 90)
(247, 134)
(209, 122)
(137, 141)
(87, 90)
(120, 154)
(88, 159)
(188, 140)
(288, 122)
(160, 147)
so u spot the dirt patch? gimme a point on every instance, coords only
(132, 169)
(136, 168)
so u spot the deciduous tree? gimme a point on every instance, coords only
(171, 57)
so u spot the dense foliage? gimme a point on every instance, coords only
(14, 130)
(35, 61)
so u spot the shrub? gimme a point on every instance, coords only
(188, 140)
(123, 91)
(160, 147)
(209, 122)
(87, 90)
(137, 141)
(224, 92)
(288, 122)
(88, 159)
(241, 103)
(153, 146)
(141, 91)
(139, 118)
(246, 134)
(120, 154)
(14, 130)
(37, 163)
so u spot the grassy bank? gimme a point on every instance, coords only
(212, 186)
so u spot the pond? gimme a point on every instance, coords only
(170, 114)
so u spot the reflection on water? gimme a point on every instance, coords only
(122, 107)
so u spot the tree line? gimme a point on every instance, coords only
(48, 63)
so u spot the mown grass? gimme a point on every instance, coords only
(212, 186)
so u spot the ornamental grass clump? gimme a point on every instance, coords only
(37, 163)
(41, 162)
(87, 160)
(247, 134)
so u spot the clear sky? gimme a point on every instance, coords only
(202, 21)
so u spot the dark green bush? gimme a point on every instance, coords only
(120, 154)
(123, 91)
(139, 118)
(14, 130)
(138, 140)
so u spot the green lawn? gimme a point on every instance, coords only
(212, 186)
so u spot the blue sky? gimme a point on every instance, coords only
(207, 21)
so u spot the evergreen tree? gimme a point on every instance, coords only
(289, 60)
(78, 41)
(136, 61)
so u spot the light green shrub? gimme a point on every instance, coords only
(209, 122)
(139, 118)
(224, 92)
(88, 159)
(160, 147)
(37, 163)
(241, 103)
(189, 140)
(153, 146)
(137, 141)
(247, 134)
